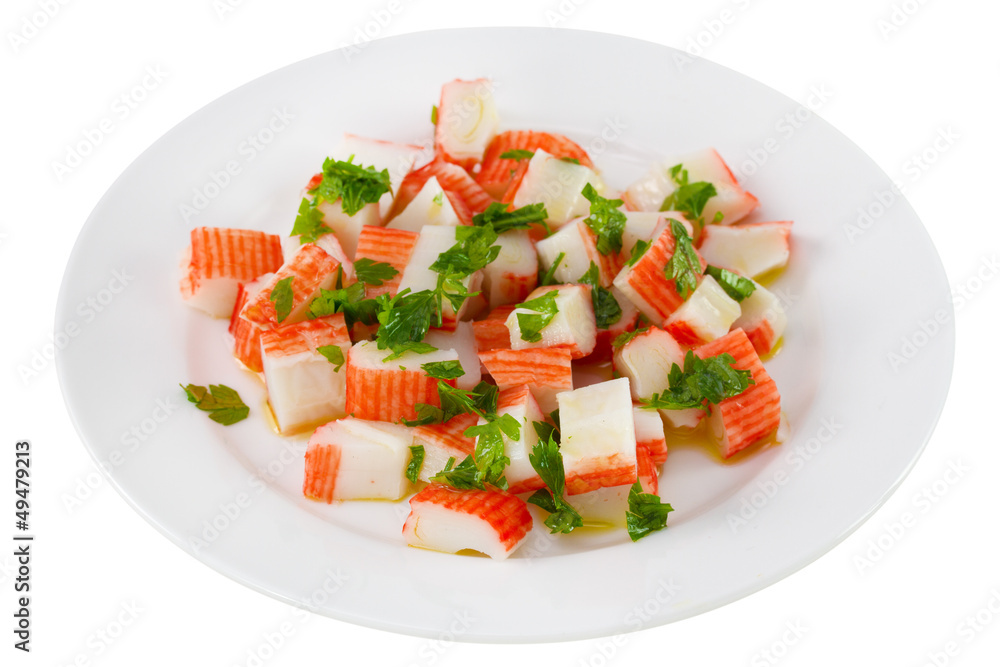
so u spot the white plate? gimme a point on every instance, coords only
(850, 306)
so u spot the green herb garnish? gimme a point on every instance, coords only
(223, 404)
(702, 381)
(606, 220)
(646, 514)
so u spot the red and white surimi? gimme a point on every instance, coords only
(646, 285)
(572, 327)
(467, 121)
(649, 434)
(444, 519)
(444, 441)
(646, 226)
(354, 459)
(763, 319)
(646, 361)
(417, 276)
(578, 246)
(303, 386)
(466, 196)
(735, 203)
(390, 246)
(495, 172)
(347, 228)
(546, 370)
(246, 334)
(749, 250)
(521, 405)
(389, 390)
(311, 269)
(431, 206)
(557, 184)
(396, 158)
(706, 315)
(514, 273)
(463, 341)
(219, 260)
(608, 505)
(598, 436)
(741, 421)
(492, 332)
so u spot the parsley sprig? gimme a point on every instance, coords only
(606, 220)
(735, 285)
(488, 463)
(373, 273)
(607, 310)
(517, 154)
(333, 354)
(416, 463)
(348, 300)
(547, 461)
(702, 381)
(646, 514)
(223, 404)
(354, 185)
(283, 298)
(689, 198)
(684, 266)
(531, 324)
(496, 214)
(309, 225)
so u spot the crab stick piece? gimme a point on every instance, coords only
(514, 273)
(310, 269)
(646, 285)
(521, 405)
(246, 334)
(706, 315)
(444, 441)
(354, 459)
(492, 333)
(598, 436)
(741, 421)
(763, 319)
(649, 434)
(731, 200)
(304, 387)
(647, 225)
(396, 159)
(417, 275)
(495, 173)
(750, 250)
(491, 522)
(463, 341)
(467, 121)
(573, 325)
(466, 196)
(556, 183)
(547, 371)
(431, 206)
(578, 246)
(646, 361)
(219, 260)
(389, 390)
(391, 246)
(608, 505)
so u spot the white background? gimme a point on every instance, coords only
(893, 92)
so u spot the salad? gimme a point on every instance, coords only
(433, 314)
